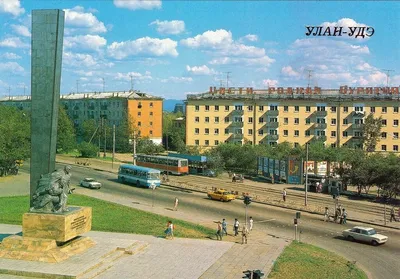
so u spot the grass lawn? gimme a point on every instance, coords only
(109, 217)
(300, 260)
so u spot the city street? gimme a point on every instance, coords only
(379, 262)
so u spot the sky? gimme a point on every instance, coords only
(174, 48)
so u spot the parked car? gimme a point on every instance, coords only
(209, 173)
(90, 183)
(364, 234)
(221, 195)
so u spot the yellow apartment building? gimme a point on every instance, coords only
(144, 110)
(297, 115)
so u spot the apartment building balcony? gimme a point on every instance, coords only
(236, 124)
(357, 126)
(272, 137)
(273, 112)
(320, 113)
(236, 136)
(358, 113)
(320, 126)
(91, 107)
(273, 125)
(321, 138)
(104, 107)
(357, 137)
(237, 112)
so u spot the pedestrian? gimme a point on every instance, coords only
(251, 223)
(344, 216)
(224, 225)
(392, 216)
(284, 194)
(169, 232)
(219, 230)
(233, 177)
(326, 214)
(338, 213)
(245, 233)
(236, 227)
(176, 204)
(341, 216)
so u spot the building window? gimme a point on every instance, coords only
(273, 107)
(273, 119)
(296, 144)
(296, 108)
(383, 135)
(206, 131)
(345, 109)
(151, 132)
(207, 119)
(226, 108)
(216, 142)
(395, 135)
(333, 145)
(359, 109)
(207, 108)
(345, 121)
(296, 121)
(372, 109)
(333, 134)
(250, 119)
(261, 108)
(139, 123)
(216, 131)
(396, 109)
(250, 131)
(261, 120)
(320, 108)
(383, 147)
(396, 122)
(296, 133)
(384, 122)
(151, 104)
(285, 133)
(197, 108)
(333, 109)
(285, 120)
(197, 142)
(216, 108)
(333, 121)
(238, 107)
(345, 134)
(151, 124)
(250, 108)
(226, 131)
(196, 131)
(226, 119)
(384, 109)
(151, 113)
(197, 119)
(139, 113)
(308, 121)
(395, 148)
(285, 108)
(261, 132)
(207, 142)
(308, 108)
(307, 133)
(216, 119)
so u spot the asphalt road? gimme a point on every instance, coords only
(379, 262)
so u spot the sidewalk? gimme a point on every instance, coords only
(357, 209)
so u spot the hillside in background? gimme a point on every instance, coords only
(169, 104)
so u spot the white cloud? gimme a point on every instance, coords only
(263, 61)
(345, 23)
(135, 76)
(143, 46)
(79, 60)
(200, 70)
(249, 37)
(343, 77)
(364, 66)
(374, 79)
(11, 6)
(289, 72)
(138, 4)
(79, 19)
(270, 82)
(10, 55)
(173, 27)
(14, 42)
(209, 39)
(91, 42)
(177, 80)
(21, 30)
(12, 67)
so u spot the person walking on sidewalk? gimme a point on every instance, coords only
(236, 227)
(284, 194)
(251, 223)
(219, 230)
(392, 215)
(169, 232)
(224, 225)
(344, 217)
(245, 233)
(326, 214)
(176, 204)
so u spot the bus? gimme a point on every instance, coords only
(170, 165)
(140, 176)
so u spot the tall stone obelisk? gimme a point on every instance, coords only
(46, 59)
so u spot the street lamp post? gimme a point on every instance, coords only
(134, 148)
(306, 186)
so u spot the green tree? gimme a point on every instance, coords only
(14, 135)
(174, 136)
(371, 132)
(88, 150)
(215, 161)
(66, 138)
(89, 128)
(147, 146)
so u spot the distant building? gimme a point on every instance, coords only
(297, 115)
(144, 110)
(179, 108)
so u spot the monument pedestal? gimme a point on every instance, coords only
(50, 237)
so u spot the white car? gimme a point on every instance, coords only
(364, 234)
(90, 183)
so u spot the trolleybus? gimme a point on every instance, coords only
(140, 176)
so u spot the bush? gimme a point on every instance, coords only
(88, 150)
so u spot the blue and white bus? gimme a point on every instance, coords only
(140, 176)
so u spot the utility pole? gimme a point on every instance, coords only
(387, 76)
(100, 123)
(9, 92)
(227, 79)
(77, 85)
(134, 148)
(131, 76)
(105, 139)
(305, 197)
(309, 77)
(112, 166)
(104, 84)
